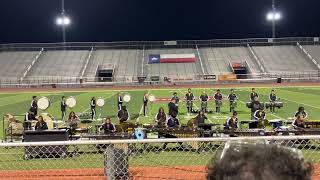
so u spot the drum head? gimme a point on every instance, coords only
(43, 103)
(100, 102)
(71, 102)
(152, 98)
(126, 98)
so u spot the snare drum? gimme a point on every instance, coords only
(100, 102)
(204, 104)
(268, 104)
(43, 103)
(218, 103)
(249, 104)
(279, 104)
(189, 103)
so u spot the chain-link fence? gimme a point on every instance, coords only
(130, 159)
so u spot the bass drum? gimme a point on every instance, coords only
(71, 102)
(100, 102)
(43, 103)
(126, 98)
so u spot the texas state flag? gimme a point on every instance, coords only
(172, 58)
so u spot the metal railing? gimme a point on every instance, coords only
(186, 158)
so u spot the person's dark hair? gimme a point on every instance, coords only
(161, 109)
(175, 93)
(62, 97)
(235, 113)
(301, 108)
(253, 89)
(240, 161)
(34, 97)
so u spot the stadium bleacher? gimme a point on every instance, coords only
(131, 63)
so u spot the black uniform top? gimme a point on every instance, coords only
(303, 113)
(232, 123)
(123, 115)
(108, 128)
(259, 116)
(41, 126)
(189, 96)
(34, 104)
(201, 119)
(120, 101)
(204, 97)
(218, 97)
(173, 122)
(298, 124)
(161, 118)
(145, 100)
(253, 95)
(232, 97)
(93, 103)
(176, 98)
(256, 105)
(272, 97)
(173, 109)
(63, 105)
(29, 117)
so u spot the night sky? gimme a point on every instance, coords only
(118, 20)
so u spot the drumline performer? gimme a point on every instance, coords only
(200, 118)
(120, 101)
(233, 100)
(63, 106)
(93, 105)
(189, 98)
(29, 117)
(145, 105)
(302, 112)
(256, 105)
(34, 105)
(204, 101)
(173, 108)
(218, 100)
(232, 122)
(176, 99)
(272, 98)
(253, 94)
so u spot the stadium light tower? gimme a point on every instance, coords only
(273, 16)
(64, 21)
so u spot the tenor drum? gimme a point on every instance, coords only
(100, 102)
(43, 103)
(268, 104)
(249, 104)
(189, 103)
(71, 102)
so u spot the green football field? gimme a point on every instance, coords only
(292, 97)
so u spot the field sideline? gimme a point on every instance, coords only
(293, 97)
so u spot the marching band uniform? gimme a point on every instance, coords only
(63, 106)
(93, 108)
(173, 109)
(172, 122)
(145, 105)
(34, 105)
(41, 126)
(260, 116)
(233, 100)
(200, 119)
(218, 101)
(256, 105)
(108, 128)
(176, 99)
(298, 124)
(204, 102)
(253, 95)
(161, 119)
(272, 98)
(189, 97)
(123, 114)
(302, 113)
(232, 123)
(120, 102)
(29, 117)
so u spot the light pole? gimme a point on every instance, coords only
(273, 16)
(63, 20)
